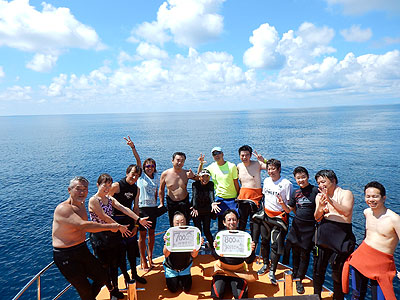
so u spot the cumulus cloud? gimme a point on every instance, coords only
(263, 53)
(295, 49)
(356, 34)
(148, 51)
(47, 32)
(56, 87)
(151, 32)
(187, 22)
(2, 74)
(359, 7)
(42, 62)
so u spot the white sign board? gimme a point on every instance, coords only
(233, 243)
(183, 239)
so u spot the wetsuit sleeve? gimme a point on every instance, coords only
(292, 200)
(211, 192)
(195, 195)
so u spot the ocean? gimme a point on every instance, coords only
(40, 154)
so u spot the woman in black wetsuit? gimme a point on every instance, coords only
(232, 271)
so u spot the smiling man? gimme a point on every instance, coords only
(224, 174)
(335, 239)
(249, 172)
(176, 180)
(373, 260)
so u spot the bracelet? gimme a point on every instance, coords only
(265, 160)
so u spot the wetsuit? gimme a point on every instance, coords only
(274, 226)
(129, 246)
(106, 245)
(335, 242)
(248, 202)
(177, 271)
(302, 231)
(238, 285)
(202, 197)
(148, 199)
(77, 264)
(225, 190)
(182, 206)
(370, 264)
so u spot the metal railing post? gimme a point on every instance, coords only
(38, 288)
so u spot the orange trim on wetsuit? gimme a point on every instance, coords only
(373, 264)
(280, 214)
(254, 195)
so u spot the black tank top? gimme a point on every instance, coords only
(126, 196)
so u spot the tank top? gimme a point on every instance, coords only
(126, 196)
(107, 208)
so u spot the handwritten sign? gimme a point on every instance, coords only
(183, 239)
(233, 243)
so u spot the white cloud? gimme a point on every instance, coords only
(189, 22)
(47, 32)
(2, 74)
(358, 7)
(16, 93)
(148, 51)
(57, 86)
(151, 32)
(296, 49)
(356, 34)
(42, 62)
(263, 53)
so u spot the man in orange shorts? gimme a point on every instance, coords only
(249, 175)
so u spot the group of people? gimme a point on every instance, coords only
(236, 197)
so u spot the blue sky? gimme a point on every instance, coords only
(98, 56)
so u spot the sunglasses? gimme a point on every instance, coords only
(216, 153)
(150, 166)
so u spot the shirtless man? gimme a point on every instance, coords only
(225, 177)
(176, 180)
(249, 175)
(71, 255)
(335, 239)
(373, 260)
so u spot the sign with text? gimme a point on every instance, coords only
(233, 243)
(183, 239)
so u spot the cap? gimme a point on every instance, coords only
(204, 172)
(216, 149)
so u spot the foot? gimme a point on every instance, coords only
(144, 266)
(272, 278)
(299, 287)
(263, 270)
(140, 279)
(117, 294)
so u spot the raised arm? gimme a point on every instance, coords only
(261, 160)
(201, 162)
(130, 143)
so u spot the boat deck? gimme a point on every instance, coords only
(201, 274)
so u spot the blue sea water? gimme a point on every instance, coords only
(40, 154)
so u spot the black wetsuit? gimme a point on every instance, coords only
(77, 264)
(335, 242)
(301, 234)
(182, 206)
(238, 285)
(202, 197)
(129, 246)
(178, 261)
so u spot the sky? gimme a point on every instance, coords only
(127, 56)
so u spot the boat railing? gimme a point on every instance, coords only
(37, 278)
